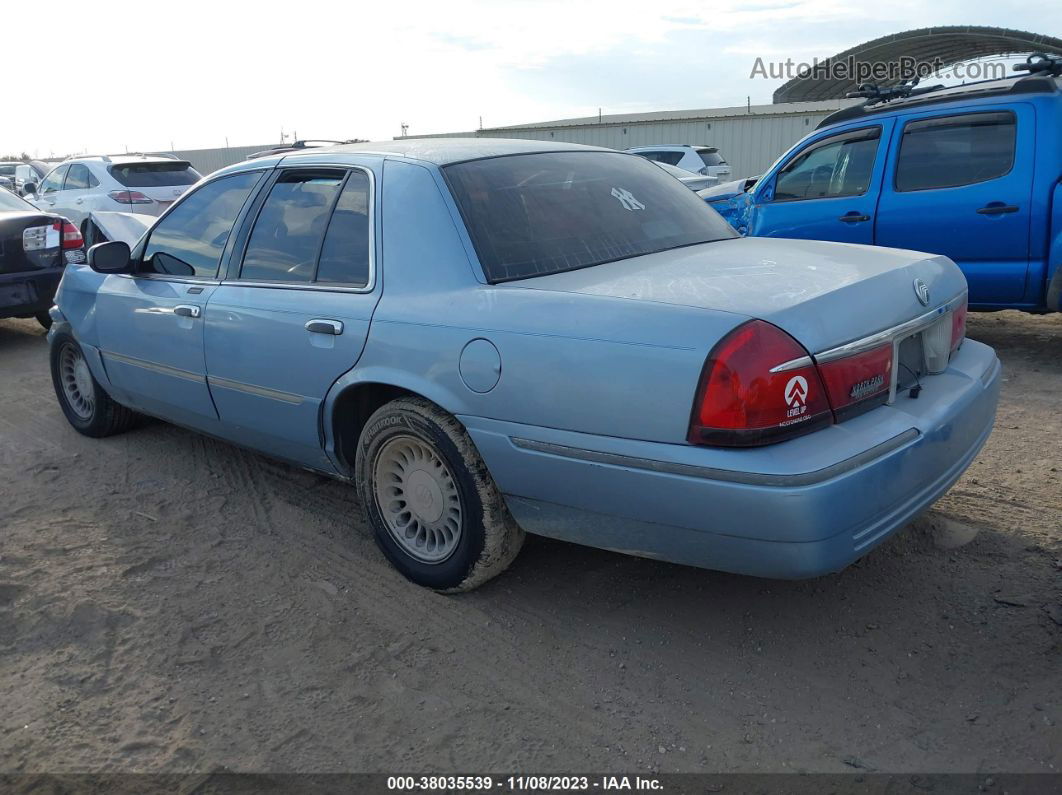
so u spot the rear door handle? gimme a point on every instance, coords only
(853, 218)
(998, 208)
(187, 310)
(322, 326)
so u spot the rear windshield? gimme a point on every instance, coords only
(711, 157)
(9, 201)
(7, 170)
(155, 175)
(531, 215)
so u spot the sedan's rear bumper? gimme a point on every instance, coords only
(36, 291)
(798, 509)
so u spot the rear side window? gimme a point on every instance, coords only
(155, 175)
(291, 226)
(711, 157)
(190, 239)
(951, 151)
(840, 165)
(531, 215)
(79, 178)
(345, 253)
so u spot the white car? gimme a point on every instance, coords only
(698, 159)
(692, 181)
(144, 184)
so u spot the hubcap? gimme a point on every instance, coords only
(418, 499)
(77, 382)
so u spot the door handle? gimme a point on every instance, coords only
(187, 310)
(998, 208)
(853, 218)
(321, 326)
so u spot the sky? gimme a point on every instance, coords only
(108, 76)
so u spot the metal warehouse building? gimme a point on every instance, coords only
(751, 137)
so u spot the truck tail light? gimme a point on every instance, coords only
(745, 400)
(858, 382)
(129, 197)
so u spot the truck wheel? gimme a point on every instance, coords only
(86, 405)
(433, 506)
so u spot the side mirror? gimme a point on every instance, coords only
(111, 257)
(29, 188)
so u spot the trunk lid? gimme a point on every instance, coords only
(823, 294)
(13, 256)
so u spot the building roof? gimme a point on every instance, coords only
(827, 106)
(951, 45)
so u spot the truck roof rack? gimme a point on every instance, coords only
(1041, 63)
(1040, 80)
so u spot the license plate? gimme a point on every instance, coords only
(15, 294)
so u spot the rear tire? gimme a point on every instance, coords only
(433, 506)
(88, 408)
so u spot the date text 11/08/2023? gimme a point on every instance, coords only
(522, 783)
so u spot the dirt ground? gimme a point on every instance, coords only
(170, 602)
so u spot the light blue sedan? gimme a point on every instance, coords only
(489, 337)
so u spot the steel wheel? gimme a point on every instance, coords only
(418, 499)
(77, 382)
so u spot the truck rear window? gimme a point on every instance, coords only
(155, 175)
(536, 214)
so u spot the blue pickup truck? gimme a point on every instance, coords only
(972, 172)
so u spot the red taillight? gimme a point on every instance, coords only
(71, 237)
(742, 403)
(858, 382)
(958, 325)
(129, 197)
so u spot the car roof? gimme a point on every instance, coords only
(444, 151)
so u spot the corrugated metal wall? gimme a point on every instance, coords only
(207, 160)
(749, 143)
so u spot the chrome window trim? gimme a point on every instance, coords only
(162, 277)
(893, 334)
(328, 287)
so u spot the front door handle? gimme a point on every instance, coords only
(321, 326)
(997, 208)
(853, 218)
(187, 310)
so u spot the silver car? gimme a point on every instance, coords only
(699, 159)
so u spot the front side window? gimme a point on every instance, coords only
(78, 178)
(950, 151)
(840, 165)
(54, 181)
(190, 239)
(532, 215)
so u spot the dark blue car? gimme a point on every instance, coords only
(971, 172)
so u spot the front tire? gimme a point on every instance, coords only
(433, 506)
(88, 408)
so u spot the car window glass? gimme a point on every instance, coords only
(77, 178)
(345, 253)
(169, 173)
(290, 227)
(711, 157)
(54, 181)
(190, 239)
(950, 151)
(529, 215)
(837, 166)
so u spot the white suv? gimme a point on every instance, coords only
(145, 184)
(698, 159)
